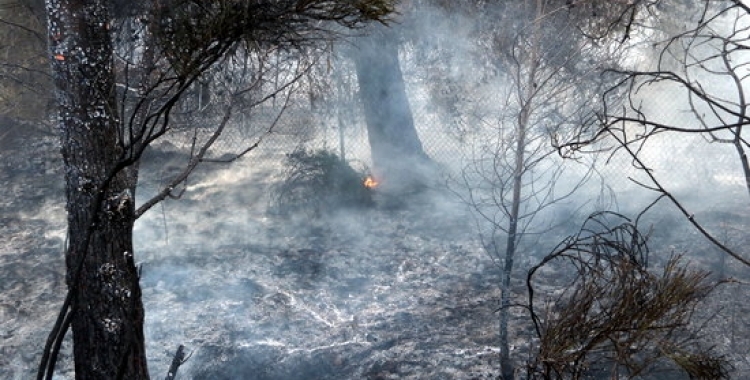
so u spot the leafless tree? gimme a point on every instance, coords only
(513, 177)
(703, 64)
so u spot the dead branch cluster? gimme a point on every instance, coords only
(614, 315)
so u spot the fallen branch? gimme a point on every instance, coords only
(178, 360)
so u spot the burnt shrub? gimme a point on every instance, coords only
(600, 311)
(319, 182)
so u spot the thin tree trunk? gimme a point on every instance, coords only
(510, 249)
(524, 117)
(106, 307)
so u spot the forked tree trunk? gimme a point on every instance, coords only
(107, 311)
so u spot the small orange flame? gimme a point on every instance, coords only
(370, 182)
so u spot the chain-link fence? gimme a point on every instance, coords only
(687, 161)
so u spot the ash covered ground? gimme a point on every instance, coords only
(368, 294)
(371, 294)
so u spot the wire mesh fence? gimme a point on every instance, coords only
(681, 161)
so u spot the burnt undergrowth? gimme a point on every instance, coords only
(608, 313)
(226, 301)
(318, 183)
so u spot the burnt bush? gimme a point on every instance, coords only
(319, 182)
(611, 315)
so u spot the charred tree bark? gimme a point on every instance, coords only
(106, 308)
(396, 150)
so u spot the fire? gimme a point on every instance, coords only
(370, 182)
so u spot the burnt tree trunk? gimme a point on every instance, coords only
(396, 149)
(107, 311)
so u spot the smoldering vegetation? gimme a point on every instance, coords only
(283, 264)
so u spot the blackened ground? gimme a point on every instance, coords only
(386, 293)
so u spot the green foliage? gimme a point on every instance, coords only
(319, 182)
